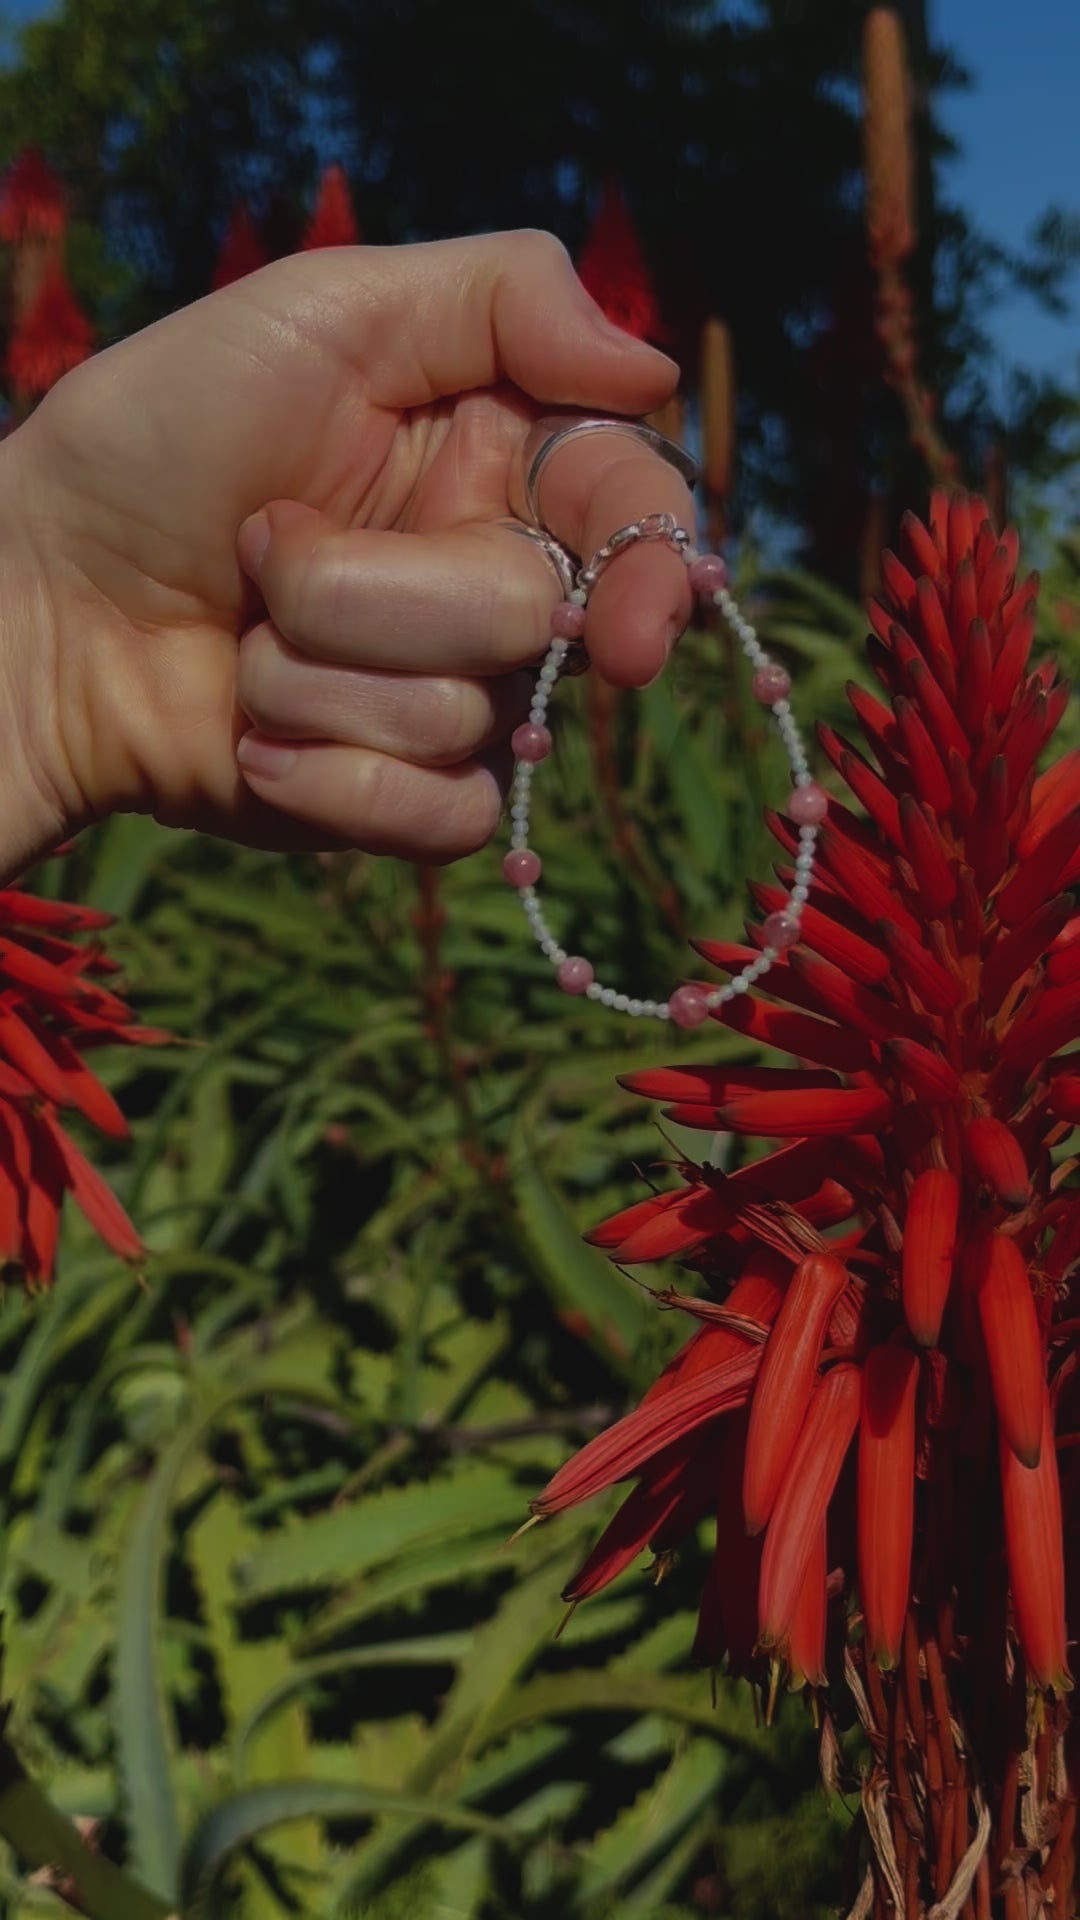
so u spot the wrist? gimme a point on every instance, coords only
(40, 801)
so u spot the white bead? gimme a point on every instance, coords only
(579, 597)
(663, 1011)
(799, 895)
(593, 990)
(608, 996)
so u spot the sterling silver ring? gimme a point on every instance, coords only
(562, 561)
(551, 432)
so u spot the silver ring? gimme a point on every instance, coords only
(550, 432)
(561, 560)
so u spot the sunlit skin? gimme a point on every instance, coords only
(378, 619)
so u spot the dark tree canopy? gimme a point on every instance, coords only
(733, 130)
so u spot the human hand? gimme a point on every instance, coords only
(379, 399)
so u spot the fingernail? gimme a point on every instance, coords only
(266, 759)
(252, 542)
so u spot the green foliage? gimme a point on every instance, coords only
(265, 1620)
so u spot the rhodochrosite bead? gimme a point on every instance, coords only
(567, 621)
(522, 867)
(689, 1006)
(531, 743)
(808, 805)
(574, 974)
(707, 574)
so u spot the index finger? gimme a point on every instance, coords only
(589, 488)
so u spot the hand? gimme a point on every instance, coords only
(379, 399)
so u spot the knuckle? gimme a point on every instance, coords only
(256, 672)
(537, 244)
(473, 818)
(448, 719)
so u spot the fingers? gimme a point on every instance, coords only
(381, 805)
(451, 315)
(464, 603)
(642, 602)
(429, 721)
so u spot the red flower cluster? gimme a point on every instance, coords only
(32, 200)
(333, 223)
(54, 336)
(872, 1410)
(242, 250)
(53, 1007)
(613, 269)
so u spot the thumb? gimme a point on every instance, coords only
(503, 306)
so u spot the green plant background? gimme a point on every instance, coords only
(264, 1621)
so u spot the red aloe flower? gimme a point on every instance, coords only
(931, 1005)
(242, 252)
(613, 269)
(33, 204)
(53, 1006)
(333, 223)
(51, 338)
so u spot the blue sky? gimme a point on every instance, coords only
(1020, 134)
(1019, 130)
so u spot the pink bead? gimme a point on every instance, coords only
(575, 974)
(567, 621)
(522, 867)
(781, 930)
(688, 1006)
(770, 684)
(808, 805)
(531, 742)
(708, 573)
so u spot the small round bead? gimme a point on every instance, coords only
(781, 930)
(770, 684)
(522, 867)
(708, 573)
(688, 1006)
(567, 621)
(575, 975)
(808, 804)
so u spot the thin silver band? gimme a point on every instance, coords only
(551, 432)
(561, 560)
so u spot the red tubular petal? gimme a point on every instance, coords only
(927, 772)
(658, 1495)
(610, 1233)
(1055, 793)
(939, 520)
(798, 1034)
(1034, 1549)
(963, 607)
(929, 857)
(868, 1012)
(828, 936)
(27, 910)
(82, 1089)
(995, 1156)
(960, 534)
(926, 1071)
(26, 1053)
(1051, 1022)
(785, 1381)
(710, 1085)
(996, 584)
(623, 1449)
(928, 1251)
(22, 968)
(868, 787)
(1015, 955)
(919, 549)
(1024, 733)
(694, 1216)
(886, 1497)
(805, 1647)
(94, 1197)
(938, 989)
(942, 724)
(1042, 873)
(803, 1501)
(937, 646)
(756, 1296)
(1010, 1330)
(899, 584)
(786, 1116)
(728, 1620)
(42, 1201)
(1011, 663)
(876, 720)
(991, 847)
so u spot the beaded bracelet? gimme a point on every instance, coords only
(688, 1006)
